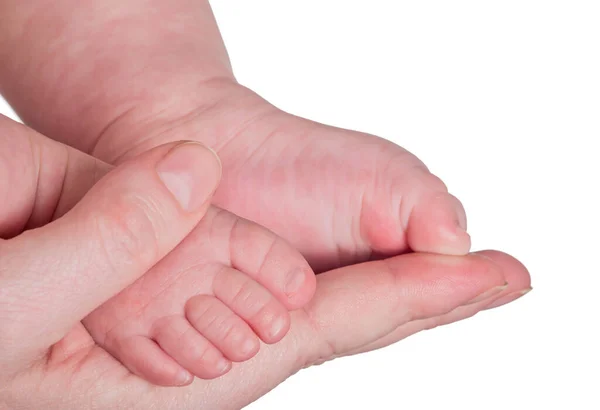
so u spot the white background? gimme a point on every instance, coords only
(502, 101)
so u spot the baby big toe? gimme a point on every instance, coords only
(273, 263)
(437, 224)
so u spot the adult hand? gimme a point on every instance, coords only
(52, 276)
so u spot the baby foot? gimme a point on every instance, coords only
(207, 304)
(338, 196)
(342, 197)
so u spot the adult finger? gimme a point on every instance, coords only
(52, 277)
(38, 176)
(519, 282)
(357, 306)
(353, 309)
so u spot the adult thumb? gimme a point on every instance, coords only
(53, 276)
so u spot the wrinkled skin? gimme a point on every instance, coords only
(356, 308)
(141, 73)
(79, 75)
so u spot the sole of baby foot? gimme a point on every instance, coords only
(338, 196)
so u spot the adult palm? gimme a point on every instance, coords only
(49, 281)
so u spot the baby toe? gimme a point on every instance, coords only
(179, 339)
(273, 263)
(147, 360)
(222, 327)
(438, 224)
(253, 303)
(413, 211)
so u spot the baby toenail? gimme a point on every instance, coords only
(184, 377)
(222, 365)
(277, 327)
(247, 346)
(461, 225)
(294, 281)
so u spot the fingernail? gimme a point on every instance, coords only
(509, 298)
(295, 280)
(487, 294)
(191, 172)
(184, 378)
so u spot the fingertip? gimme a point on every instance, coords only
(191, 172)
(515, 272)
(508, 298)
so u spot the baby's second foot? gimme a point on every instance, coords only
(207, 304)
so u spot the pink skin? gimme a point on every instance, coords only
(180, 85)
(206, 304)
(139, 74)
(49, 360)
